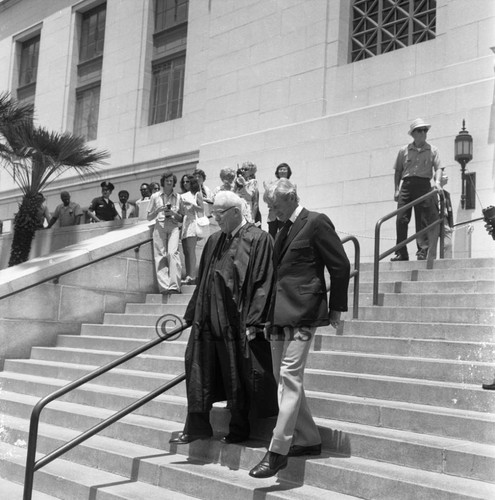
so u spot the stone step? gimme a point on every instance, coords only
(72, 481)
(487, 273)
(161, 474)
(447, 422)
(473, 300)
(413, 330)
(386, 265)
(139, 380)
(393, 374)
(175, 348)
(399, 389)
(178, 298)
(167, 406)
(127, 331)
(140, 319)
(157, 309)
(467, 315)
(144, 362)
(443, 455)
(13, 491)
(456, 286)
(468, 425)
(450, 456)
(381, 365)
(441, 370)
(423, 348)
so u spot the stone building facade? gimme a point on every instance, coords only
(327, 86)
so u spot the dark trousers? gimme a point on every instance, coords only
(199, 422)
(413, 188)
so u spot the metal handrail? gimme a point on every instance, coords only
(463, 223)
(355, 274)
(32, 465)
(379, 256)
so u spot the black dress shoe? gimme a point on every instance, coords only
(272, 462)
(299, 451)
(183, 438)
(489, 387)
(399, 257)
(233, 438)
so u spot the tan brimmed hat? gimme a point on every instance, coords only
(418, 123)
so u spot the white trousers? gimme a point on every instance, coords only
(167, 257)
(295, 424)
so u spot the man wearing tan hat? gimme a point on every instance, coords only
(414, 167)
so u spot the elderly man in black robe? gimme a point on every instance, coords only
(227, 356)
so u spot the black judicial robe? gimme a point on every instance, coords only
(233, 293)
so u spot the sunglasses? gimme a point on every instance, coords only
(421, 130)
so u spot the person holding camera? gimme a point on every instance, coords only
(168, 209)
(246, 187)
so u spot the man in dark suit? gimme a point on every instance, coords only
(304, 247)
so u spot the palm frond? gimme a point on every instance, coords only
(12, 111)
(45, 155)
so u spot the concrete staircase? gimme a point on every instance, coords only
(397, 395)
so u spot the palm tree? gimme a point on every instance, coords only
(34, 157)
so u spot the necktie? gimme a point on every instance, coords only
(124, 211)
(282, 236)
(226, 243)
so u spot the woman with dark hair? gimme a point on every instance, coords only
(168, 210)
(154, 187)
(192, 200)
(184, 183)
(283, 171)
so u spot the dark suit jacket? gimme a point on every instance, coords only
(300, 295)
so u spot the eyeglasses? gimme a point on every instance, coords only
(186, 182)
(421, 130)
(220, 213)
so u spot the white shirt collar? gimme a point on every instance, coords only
(295, 214)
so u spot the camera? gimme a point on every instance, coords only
(489, 218)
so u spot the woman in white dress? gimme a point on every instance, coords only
(192, 200)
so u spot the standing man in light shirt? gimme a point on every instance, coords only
(68, 212)
(415, 165)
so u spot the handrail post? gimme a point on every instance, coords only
(442, 226)
(31, 453)
(376, 262)
(357, 260)
(355, 274)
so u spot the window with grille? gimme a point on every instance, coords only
(92, 33)
(380, 26)
(87, 109)
(169, 60)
